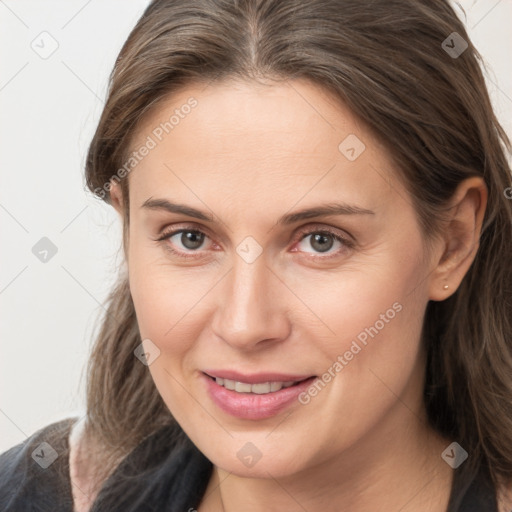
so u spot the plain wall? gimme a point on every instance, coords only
(50, 105)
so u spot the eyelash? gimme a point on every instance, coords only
(303, 233)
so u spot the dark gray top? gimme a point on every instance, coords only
(164, 473)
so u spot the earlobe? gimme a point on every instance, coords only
(461, 238)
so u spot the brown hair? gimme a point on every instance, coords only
(386, 62)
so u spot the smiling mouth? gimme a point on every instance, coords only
(264, 397)
(260, 388)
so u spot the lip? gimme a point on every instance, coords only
(252, 406)
(255, 378)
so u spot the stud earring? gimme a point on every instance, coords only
(446, 287)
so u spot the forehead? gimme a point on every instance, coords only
(254, 141)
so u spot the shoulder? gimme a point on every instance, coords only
(34, 475)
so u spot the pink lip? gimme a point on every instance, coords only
(255, 378)
(251, 406)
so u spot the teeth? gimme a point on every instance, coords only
(241, 387)
(259, 389)
(275, 386)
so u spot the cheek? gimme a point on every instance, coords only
(166, 302)
(365, 300)
(164, 299)
(371, 320)
(162, 293)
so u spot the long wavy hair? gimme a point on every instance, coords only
(430, 109)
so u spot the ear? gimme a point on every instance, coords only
(116, 197)
(460, 239)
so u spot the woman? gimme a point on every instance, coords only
(315, 308)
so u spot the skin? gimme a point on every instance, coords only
(249, 153)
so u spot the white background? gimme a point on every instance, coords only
(49, 110)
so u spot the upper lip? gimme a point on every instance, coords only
(255, 378)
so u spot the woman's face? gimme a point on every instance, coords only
(257, 290)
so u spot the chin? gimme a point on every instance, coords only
(246, 460)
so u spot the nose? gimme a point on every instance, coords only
(251, 310)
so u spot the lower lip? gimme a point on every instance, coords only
(251, 406)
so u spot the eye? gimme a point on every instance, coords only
(323, 240)
(189, 239)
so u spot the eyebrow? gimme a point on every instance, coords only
(289, 218)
